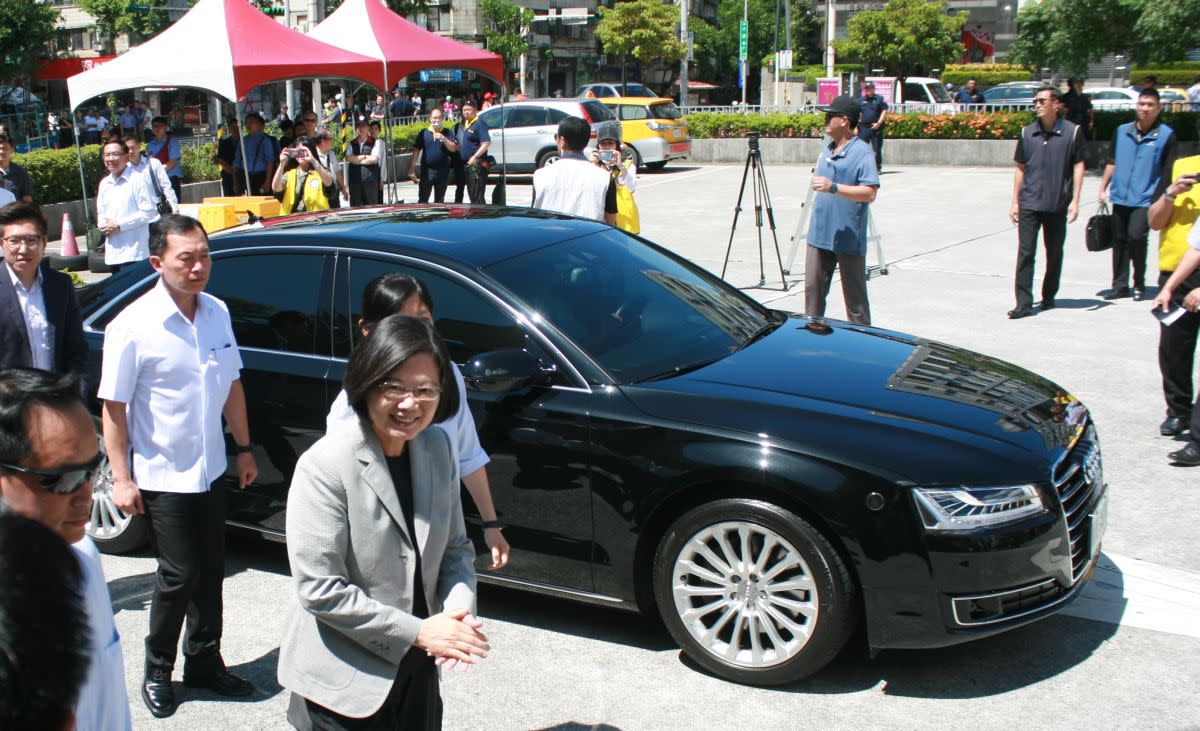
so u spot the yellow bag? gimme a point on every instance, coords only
(627, 210)
(1172, 242)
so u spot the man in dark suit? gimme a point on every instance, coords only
(40, 325)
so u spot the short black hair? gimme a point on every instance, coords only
(159, 120)
(286, 124)
(45, 640)
(118, 142)
(255, 115)
(1151, 78)
(392, 341)
(575, 133)
(386, 294)
(1151, 92)
(21, 388)
(1053, 91)
(172, 223)
(20, 211)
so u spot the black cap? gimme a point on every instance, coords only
(843, 104)
(361, 121)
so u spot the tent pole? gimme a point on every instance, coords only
(503, 148)
(237, 118)
(87, 213)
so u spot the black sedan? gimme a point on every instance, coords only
(661, 442)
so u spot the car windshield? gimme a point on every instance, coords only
(665, 110)
(639, 312)
(938, 93)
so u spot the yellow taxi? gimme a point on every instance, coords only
(1174, 98)
(653, 128)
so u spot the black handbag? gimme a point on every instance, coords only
(160, 203)
(1100, 230)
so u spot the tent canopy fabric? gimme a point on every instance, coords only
(371, 28)
(227, 47)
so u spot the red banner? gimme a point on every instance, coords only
(63, 68)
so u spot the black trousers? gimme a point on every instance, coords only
(414, 702)
(459, 174)
(256, 182)
(435, 180)
(1130, 243)
(364, 194)
(177, 186)
(1176, 354)
(875, 138)
(188, 534)
(1053, 227)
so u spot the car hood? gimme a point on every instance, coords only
(897, 405)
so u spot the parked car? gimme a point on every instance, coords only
(653, 128)
(928, 92)
(523, 132)
(1174, 99)
(662, 442)
(1112, 97)
(615, 88)
(1017, 93)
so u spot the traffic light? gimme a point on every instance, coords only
(272, 9)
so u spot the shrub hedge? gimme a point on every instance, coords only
(987, 74)
(1183, 73)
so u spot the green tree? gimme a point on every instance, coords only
(139, 19)
(26, 29)
(1067, 35)
(507, 32)
(1166, 31)
(716, 46)
(644, 30)
(905, 37)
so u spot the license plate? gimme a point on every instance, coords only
(1099, 522)
(680, 147)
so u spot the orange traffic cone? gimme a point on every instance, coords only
(69, 247)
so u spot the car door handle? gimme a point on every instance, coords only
(543, 131)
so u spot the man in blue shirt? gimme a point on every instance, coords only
(846, 181)
(1142, 153)
(474, 139)
(166, 148)
(969, 94)
(261, 154)
(873, 113)
(431, 160)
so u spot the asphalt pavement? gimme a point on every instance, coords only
(1123, 656)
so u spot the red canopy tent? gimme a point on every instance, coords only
(370, 28)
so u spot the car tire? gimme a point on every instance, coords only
(111, 529)
(630, 153)
(656, 165)
(75, 263)
(773, 621)
(95, 262)
(549, 157)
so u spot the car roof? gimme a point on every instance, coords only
(1122, 89)
(477, 236)
(634, 100)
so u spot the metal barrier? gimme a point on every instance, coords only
(906, 108)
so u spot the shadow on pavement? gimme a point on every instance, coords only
(131, 593)
(260, 672)
(573, 726)
(1092, 305)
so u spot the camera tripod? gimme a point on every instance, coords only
(762, 199)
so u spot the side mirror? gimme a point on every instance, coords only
(503, 370)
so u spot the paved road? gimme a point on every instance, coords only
(1123, 656)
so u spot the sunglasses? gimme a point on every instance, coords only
(830, 116)
(64, 481)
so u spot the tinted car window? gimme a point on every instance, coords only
(270, 317)
(526, 117)
(638, 311)
(914, 93)
(597, 111)
(556, 115)
(938, 93)
(468, 322)
(491, 117)
(665, 110)
(629, 111)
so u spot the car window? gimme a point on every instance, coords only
(636, 310)
(631, 111)
(937, 92)
(597, 111)
(469, 323)
(272, 318)
(914, 93)
(665, 110)
(526, 117)
(556, 115)
(491, 117)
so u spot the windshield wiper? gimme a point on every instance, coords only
(680, 370)
(758, 334)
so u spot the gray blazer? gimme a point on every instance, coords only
(352, 563)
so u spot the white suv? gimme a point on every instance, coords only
(523, 132)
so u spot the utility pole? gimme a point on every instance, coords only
(830, 26)
(744, 43)
(683, 65)
(316, 13)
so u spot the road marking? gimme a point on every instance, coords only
(705, 171)
(1135, 593)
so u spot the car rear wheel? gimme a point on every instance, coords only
(753, 593)
(112, 530)
(656, 165)
(630, 153)
(549, 157)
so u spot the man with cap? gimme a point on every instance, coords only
(363, 157)
(474, 139)
(431, 159)
(260, 156)
(873, 113)
(846, 181)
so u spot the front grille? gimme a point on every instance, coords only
(1078, 479)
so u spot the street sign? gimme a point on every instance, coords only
(691, 48)
(785, 60)
(743, 40)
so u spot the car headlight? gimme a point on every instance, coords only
(964, 508)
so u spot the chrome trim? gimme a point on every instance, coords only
(87, 324)
(271, 535)
(269, 351)
(1067, 595)
(500, 580)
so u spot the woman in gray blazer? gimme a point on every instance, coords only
(379, 554)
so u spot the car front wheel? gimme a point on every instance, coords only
(547, 158)
(112, 530)
(753, 593)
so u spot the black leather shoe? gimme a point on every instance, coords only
(1049, 304)
(1173, 426)
(158, 693)
(1019, 312)
(1189, 455)
(1138, 294)
(221, 682)
(1116, 294)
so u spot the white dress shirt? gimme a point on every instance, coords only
(174, 375)
(464, 439)
(103, 704)
(32, 302)
(6, 197)
(572, 185)
(127, 200)
(153, 166)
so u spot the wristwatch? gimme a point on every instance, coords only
(492, 524)
(245, 448)
(1167, 195)
(833, 188)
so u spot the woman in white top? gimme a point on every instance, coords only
(399, 294)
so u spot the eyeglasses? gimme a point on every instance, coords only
(114, 155)
(30, 241)
(1038, 101)
(64, 481)
(393, 391)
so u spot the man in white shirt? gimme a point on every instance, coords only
(48, 457)
(170, 370)
(146, 166)
(573, 184)
(125, 208)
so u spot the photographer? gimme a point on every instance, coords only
(624, 174)
(302, 178)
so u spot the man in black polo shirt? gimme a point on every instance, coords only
(872, 116)
(1046, 190)
(474, 139)
(13, 177)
